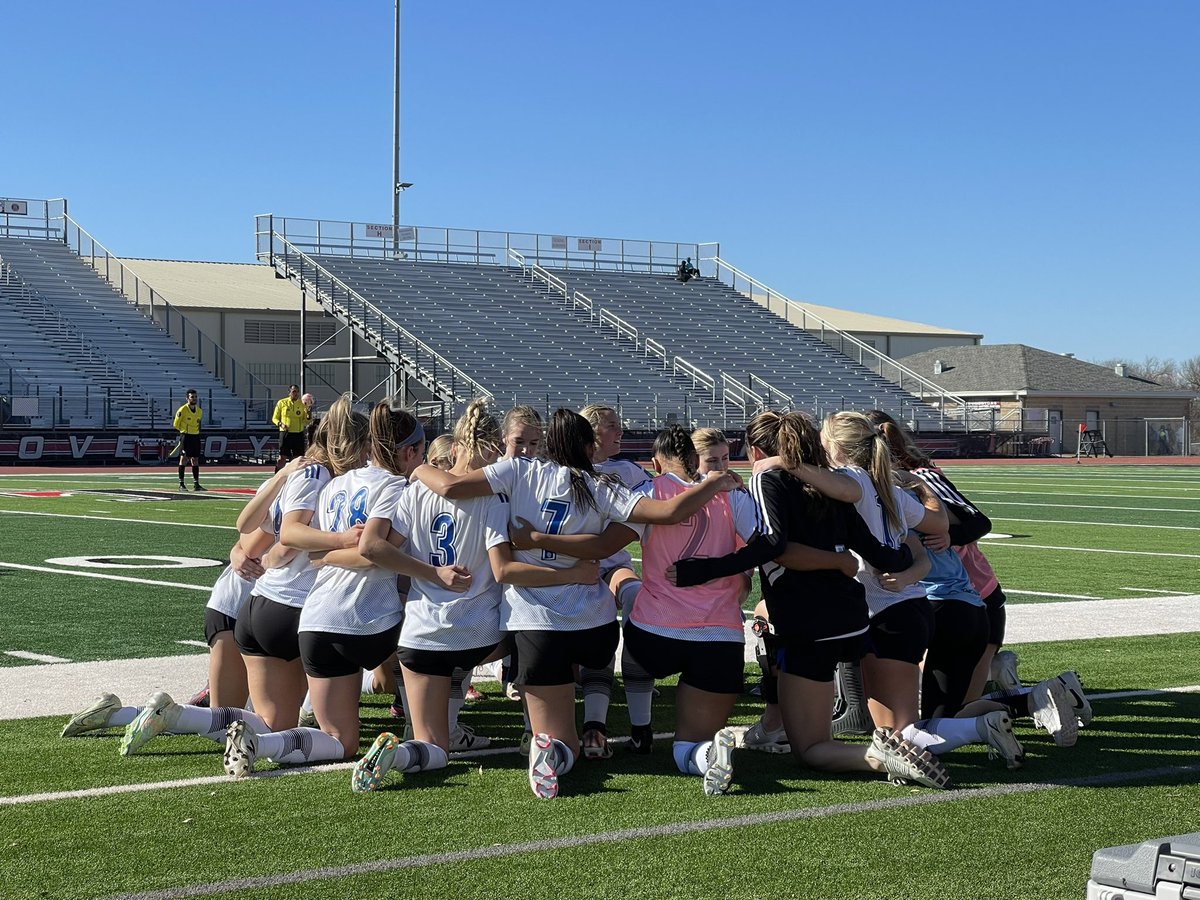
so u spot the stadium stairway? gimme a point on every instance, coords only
(134, 348)
(720, 329)
(517, 341)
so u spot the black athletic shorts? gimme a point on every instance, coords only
(268, 628)
(216, 622)
(444, 662)
(997, 617)
(192, 445)
(291, 444)
(548, 657)
(959, 637)
(902, 631)
(818, 660)
(714, 666)
(329, 655)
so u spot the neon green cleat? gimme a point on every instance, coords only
(369, 771)
(160, 714)
(94, 718)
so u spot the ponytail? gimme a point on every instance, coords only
(674, 443)
(858, 441)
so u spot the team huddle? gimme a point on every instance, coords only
(362, 568)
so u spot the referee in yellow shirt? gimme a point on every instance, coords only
(291, 415)
(187, 423)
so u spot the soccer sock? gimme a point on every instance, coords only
(459, 679)
(297, 745)
(195, 473)
(368, 681)
(123, 716)
(211, 723)
(639, 689)
(525, 718)
(597, 692)
(925, 740)
(420, 756)
(181, 470)
(946, 734)
(682, 752)
(625, 596)
(1018, 704)
(306, 704)
(566, 759)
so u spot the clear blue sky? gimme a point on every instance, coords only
(1025, 170)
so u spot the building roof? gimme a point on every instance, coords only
(859, 323)
(217, 285)
(991, 369)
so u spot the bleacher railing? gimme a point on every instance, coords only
(168, 317)
(375, 325)
(467, 245)
(950, 405)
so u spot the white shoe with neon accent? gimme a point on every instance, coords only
(94, 718)
(159, 715)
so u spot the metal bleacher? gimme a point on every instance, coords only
(512, 337)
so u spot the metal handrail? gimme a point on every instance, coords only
(220, 352)
(623, 328)
(931, 387)
(580, 299)
(292, 252)
(770, 390)
(698, 375)
(552, 281)
(654, 348)
(742, 397)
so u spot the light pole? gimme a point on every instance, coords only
(398, 186)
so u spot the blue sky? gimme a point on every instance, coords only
(1028, 171)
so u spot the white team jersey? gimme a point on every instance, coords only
(445, 532)
(289, 584)
(871, 510)
(231, 591)
(539, 491)
(355, 601)
(637, 480)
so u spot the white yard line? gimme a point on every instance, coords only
(1166, 509)
(1094, 524)
(106, 577)
(21, 512)
(1008, 590)
(1008, 543)
(200, 644)
(1075, 495)
(35, 657)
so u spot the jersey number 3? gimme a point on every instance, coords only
(442, 530)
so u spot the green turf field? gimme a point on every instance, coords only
(167, 820)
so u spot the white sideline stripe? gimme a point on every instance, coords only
(293, 771)
(21, 512)
(1155, 591)
(673, 829)
(36, 657)
(193, 644)
(1076, 494)
(1090, 550)
(107, 577)
(1009, 590)
(1094, 524)
(1084, 506)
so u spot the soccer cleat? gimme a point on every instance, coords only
(595, 744)
(94, 718)
(160, 714)
(463, 737)
(1051, 707)
(526, 740)
(904, 762)
(197, 486)
(641, 739)
(202, 697)
(543, 767)
(369, 771)
(1079, 700)
(998, 732)
(758, 738)
(241, 749)
(308, 719)
(1003, 672)
(397, 710)
(719, 774)
(183, 487)
(474, 695)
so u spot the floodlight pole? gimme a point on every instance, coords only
(396, 189)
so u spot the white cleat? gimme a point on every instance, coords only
(904, 762)
(996, 729)
(543, 767)
(1003, 672)
(758, 738)
(464, 738)
(94, 718)
(719, 774)
(241, 749)
(1079, 700)
(160, 714)
(1051, 707)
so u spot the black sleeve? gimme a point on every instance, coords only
(770, 496)
(972, 524)
(866, 545)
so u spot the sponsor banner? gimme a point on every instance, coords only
(101, 447)
(14, 207)
(558, 242)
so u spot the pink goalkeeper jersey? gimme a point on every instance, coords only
(710, 533)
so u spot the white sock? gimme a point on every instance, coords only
(925, 740)
(211, 723)
(945, 734)
(297, 745)
(459, 679)
(698, 758)
(639, 689)
(123, 716)
(368, 681)
(626, 597)
(420, 756)
(306, 706)
(566, 759)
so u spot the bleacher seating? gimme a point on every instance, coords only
(515, 340)
(131, 346)
(720, 329)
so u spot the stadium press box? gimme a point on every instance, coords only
(1162, 869)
